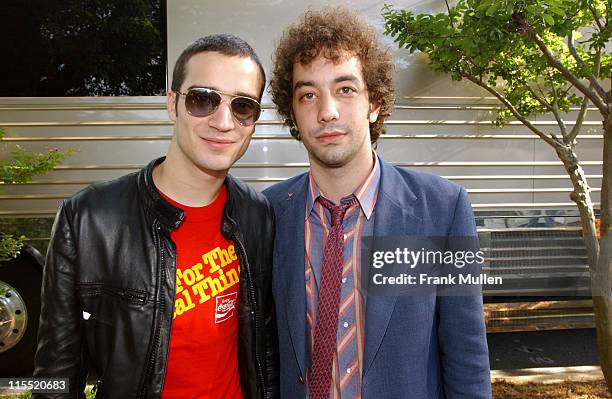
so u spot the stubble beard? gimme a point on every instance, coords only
(332, 155)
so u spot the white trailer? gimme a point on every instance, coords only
(518, 188)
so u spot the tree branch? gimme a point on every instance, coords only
(597, 64)
(592, 78)
(541, 90)
(555, 108)
(542, 100)
(597, 101)
(595, 16)
(538, 97)
(581, 115)
(569, 87)
(550, 107)
(450, 16)
(585, 101)
(551, 141)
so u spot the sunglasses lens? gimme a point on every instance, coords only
(245, 110)
(202, 102)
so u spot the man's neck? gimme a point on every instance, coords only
(185, 183)
(336, 183)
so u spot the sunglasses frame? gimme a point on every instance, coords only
(232, 97)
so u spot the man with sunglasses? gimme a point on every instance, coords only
(159, 281)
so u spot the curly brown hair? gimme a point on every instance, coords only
(333, 32)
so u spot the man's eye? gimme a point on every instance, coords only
(347, 90)
(307, 96)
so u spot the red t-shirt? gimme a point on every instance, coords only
(203, 360)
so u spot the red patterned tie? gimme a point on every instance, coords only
(326, 326)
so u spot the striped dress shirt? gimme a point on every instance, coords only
(358, 222)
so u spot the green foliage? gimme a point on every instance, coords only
(10, 246)
(24, 165)
(88, 395)
(491, 42)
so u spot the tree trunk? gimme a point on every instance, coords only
(601, 282)
(601, 285)
(581, 196)
(600, 264)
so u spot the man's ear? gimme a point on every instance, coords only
(293, 129)
(374, 110)
(171, 105)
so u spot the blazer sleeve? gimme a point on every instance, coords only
(461, 329)
(60, 343)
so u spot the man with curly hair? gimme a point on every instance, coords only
(333, 85)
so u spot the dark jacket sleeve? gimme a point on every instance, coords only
(60, 344)
(272, 355)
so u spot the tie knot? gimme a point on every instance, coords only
(337, 211)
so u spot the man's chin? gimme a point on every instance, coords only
(216, 168)
(332, 161)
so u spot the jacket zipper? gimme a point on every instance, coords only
(157, 326)
(173, 294)
(135, 297)
(242, 252)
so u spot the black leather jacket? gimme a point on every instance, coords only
(109, 287)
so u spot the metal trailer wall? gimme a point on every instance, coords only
(439, 126)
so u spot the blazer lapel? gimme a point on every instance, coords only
(393, 216)
(291, 261)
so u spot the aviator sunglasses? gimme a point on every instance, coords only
(202, 101)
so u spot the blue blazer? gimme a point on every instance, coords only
(417, 347)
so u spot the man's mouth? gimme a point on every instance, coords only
(217, 142)
(330, 137)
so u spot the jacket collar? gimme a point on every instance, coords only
(168, 214)
(228, 223)
(171, 216)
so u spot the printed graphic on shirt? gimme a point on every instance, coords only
(217, 272)
(225, 306)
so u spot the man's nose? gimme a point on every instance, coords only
(328, 109)
(222, 119)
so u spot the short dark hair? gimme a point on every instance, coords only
(333, 32)
(224, 43)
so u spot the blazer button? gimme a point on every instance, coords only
(300, 379)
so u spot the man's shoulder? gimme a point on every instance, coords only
(280, 190)
(245, 192)
(442, 204)
(104, 194)
(421, 183)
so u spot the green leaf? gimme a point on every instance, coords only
(549, 19)
(484, 5)
(491, 10)
(557, 11)
(10, 246)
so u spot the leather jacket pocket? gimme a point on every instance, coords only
(117, 326)
(105, 304)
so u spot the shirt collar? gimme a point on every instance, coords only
(365, 193)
